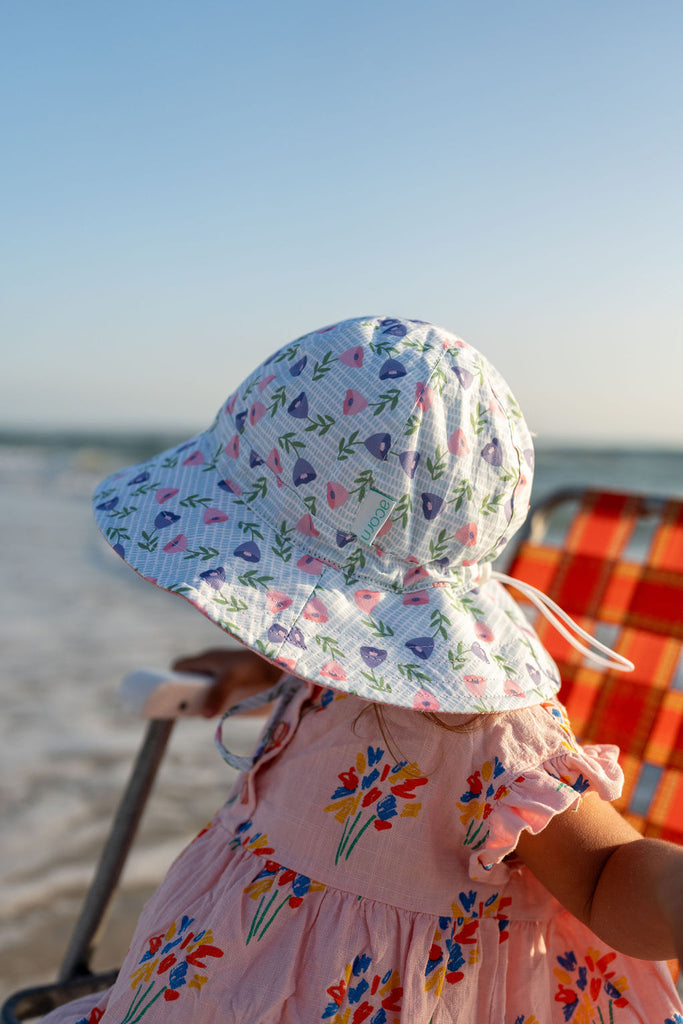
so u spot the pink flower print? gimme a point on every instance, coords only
(424, 396)
(305, 526)
(195, 459)
(467, 535)
(454, 343)
(230, 404)
(416, 597)
(214, 515)
(164, 493)
(513, 689)
(414, 574)
(354, 403)
(425, 701)
(333, 670)
(353, 356)
(311, 566)
(476, 685)
(457, 443)
(277, 601)
(265, 382)
(483, 632)
(273, 461)
(231, 486)
(256, 413)
(315, 611)
(384, 528)
(286, 663)
(367, 600)
(337, 495)
(232, 448)
(178, 543)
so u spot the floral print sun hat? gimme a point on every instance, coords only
(341, 514)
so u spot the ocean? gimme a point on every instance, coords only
(74, 621)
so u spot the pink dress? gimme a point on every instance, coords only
(353, 877)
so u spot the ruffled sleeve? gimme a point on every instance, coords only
(529, 799)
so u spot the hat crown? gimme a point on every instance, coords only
(393, 446)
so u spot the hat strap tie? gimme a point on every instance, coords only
(284, 690)
(565, 625)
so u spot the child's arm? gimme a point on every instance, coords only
(626, 889)
(239, 674)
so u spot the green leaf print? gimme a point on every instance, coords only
(323, 367)
(278, 400)
(346, 448)
(439, 545)
(150, 541)
(193, 500)
(288, 442)
(364, 482)
(378, 628)
(320, 424)
(202, 552)
(438, 465)
(282, 548)
(389, 398)
(413, 673)
(251, 579)
(490, 504)
(330, 646)
(209, 466)
(478, 420)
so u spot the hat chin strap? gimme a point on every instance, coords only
(562, 622)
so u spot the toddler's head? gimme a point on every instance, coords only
(341, 514)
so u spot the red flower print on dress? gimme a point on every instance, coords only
(363, 991)
(477, 802)
(587, 985)
(164, 969)
(446, 955)
(369, 795)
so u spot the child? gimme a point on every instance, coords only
(400, 848)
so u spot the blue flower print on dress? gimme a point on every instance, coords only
(362, 989)
(369, 794)
(449, 952)
(174, 959)
(587, 985)
(478, 801)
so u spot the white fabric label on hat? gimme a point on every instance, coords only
(373, 512)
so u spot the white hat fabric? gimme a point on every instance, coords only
(341, 514)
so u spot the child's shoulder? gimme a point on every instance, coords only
(524, 738)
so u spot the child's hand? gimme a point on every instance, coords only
(238, 674)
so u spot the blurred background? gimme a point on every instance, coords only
(186, 186)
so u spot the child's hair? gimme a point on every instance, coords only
(471, 724)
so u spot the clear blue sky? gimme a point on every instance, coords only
(187, 185)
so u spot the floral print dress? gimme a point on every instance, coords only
(361, 873)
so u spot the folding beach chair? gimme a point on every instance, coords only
(614, 562)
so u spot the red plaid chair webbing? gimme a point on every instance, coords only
(617, 568)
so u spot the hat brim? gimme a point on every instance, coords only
(183, 527)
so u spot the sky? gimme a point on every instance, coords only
(186, 185)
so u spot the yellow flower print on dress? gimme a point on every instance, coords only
(477, 802)
(587, 985)
(362, 990)
(373, 788)
(446, 955)
(168, 965)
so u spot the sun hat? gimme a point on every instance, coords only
(341, 514)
